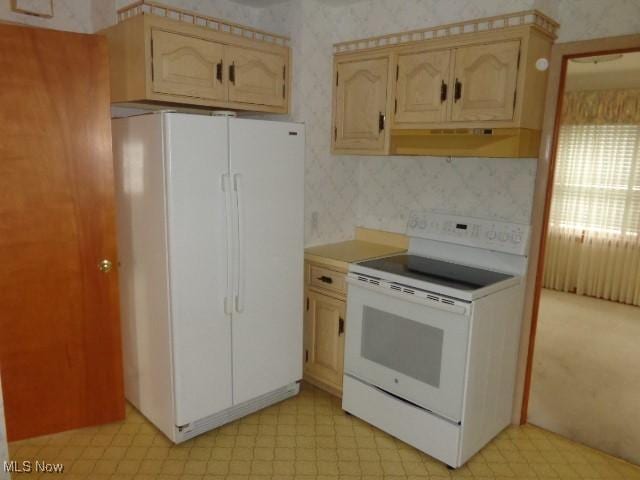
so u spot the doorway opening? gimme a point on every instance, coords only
(582, 380)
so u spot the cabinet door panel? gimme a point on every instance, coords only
(422, 87)
(486, 75)
(187, 66)
(325, 338)
(361, 97)
(256, 76)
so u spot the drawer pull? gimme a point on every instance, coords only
(325, 279)
(340, 326)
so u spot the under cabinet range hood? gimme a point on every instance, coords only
(467, 142)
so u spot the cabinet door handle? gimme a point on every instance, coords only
(219, 67)
(457, 95)
(325, 279)
(340, 326)
(443, 92)
(381, 119)
(232, 73)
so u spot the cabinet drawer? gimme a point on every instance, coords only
(327, 279)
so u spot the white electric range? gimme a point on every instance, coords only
(433, 335)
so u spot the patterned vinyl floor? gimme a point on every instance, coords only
(307, 437)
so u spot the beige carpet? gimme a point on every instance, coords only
(586, 372)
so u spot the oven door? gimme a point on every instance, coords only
(411, 347)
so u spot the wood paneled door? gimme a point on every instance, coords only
(60, 351)
(361, 105)
(324, 345)
(256, 77)
(422, 87)
(187, 66)
(484, 83)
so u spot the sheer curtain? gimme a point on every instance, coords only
(593, 245)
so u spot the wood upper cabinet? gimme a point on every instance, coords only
(484, 82)
(155, 60)
(187, 66)
(324, 339)
(450, 91)
(467, 84)
(422, 88)
(360, 108)
(256, 77)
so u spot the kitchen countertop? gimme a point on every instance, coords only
(340, 255)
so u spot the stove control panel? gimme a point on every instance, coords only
(473, 232)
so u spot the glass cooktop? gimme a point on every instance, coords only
(436, 271)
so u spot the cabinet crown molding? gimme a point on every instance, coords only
(149, 7)
(534, 18)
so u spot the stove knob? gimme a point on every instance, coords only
(491, 235)
(503, 237)
(516, 238)
(413, 223)
(422, 224)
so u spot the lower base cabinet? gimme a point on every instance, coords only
(324, 331)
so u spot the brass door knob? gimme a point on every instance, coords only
(105, 265)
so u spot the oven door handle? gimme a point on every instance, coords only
(458, 309)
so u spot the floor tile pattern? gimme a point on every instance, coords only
(307, 437)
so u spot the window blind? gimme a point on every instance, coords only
(597, 179)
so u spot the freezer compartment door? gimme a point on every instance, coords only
(267, 167)
(196, 166)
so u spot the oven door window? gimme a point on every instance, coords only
(414, 350)
(411, 348)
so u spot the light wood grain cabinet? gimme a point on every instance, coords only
(256, 77)
(157, 60)
(324, 352)
(472, 90)
(360, 110)
(484, 82)
(422, 87)
(187, 66)
(325, 324)
(476, 83)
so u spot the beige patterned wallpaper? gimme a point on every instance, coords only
(377, 192)
(342, 192)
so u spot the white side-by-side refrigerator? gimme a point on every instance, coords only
(210, 217)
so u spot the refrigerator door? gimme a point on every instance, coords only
(267, 167)
(196, 165)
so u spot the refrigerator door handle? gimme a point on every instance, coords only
(226, 188)
(239, 299)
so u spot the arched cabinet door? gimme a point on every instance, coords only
(256, 76)
(422, 87)
(187, 66)
(360, 112)
(484, 82)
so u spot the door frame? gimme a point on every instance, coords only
(560, 54)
